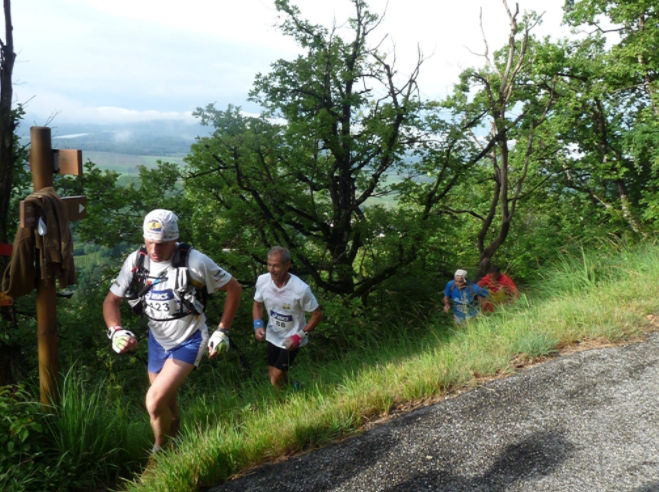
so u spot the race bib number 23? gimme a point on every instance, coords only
(161, 304)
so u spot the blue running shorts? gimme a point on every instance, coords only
(189, 351)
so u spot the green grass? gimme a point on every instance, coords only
(96, 438)
(604, 295)
(89, 439)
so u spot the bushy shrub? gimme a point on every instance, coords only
(23, 463)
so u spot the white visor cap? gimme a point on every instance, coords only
(161, 225)
(462, 273)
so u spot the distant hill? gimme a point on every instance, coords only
(153, 138)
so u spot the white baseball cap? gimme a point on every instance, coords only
(161, 225)
(461, 273)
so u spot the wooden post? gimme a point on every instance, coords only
(41, 160)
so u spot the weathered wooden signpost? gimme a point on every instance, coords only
(44, 161)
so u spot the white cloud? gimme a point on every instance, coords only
(114, 114)
(137, 59)
(42, 107)
(71, 135)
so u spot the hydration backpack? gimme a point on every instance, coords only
(193, 300)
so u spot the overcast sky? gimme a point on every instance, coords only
(105, 61)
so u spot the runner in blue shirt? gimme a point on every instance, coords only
(465, 295)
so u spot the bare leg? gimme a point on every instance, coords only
(161, 398)
(176, 417)
(278, 378)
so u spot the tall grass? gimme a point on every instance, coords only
(94, 436)
(86, 441)
(601, 295)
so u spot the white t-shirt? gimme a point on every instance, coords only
(285, 307)
(203, 271)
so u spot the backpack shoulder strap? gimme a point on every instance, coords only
(180, 259)
(139, 271)
(142, 257)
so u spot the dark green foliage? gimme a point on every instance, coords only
(24, 464)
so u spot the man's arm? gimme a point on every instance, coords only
(481, 294)
(231, 303)
(316, 318)
(293, 342)
(112, 316)
(219, 340)
(257, 313)
(111, 311)
(447, 301)
(447, 304)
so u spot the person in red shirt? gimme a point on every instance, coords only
(500, 286)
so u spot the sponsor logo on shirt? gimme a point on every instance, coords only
(161, 295)
(281, 317)
(286, 306)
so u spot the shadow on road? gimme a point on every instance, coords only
(318, 471)
(651, 487)
(536, 456)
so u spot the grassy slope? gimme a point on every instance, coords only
(607, 298)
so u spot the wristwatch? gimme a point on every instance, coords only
(112, 329)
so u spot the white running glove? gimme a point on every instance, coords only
(119, 338)
(218, 343)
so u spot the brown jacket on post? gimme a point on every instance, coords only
(54, 253)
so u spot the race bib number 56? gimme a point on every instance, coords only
(281, 322)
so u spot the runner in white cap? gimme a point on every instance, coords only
(168, 282)
(465, 295)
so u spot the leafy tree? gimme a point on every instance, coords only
(510, 102)
(610, 107)
(634, 57)
(594, 124)
(304, 174)
(115, 212)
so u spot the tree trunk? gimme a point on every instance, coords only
(627, 213)
(6, 123)
(9, 354)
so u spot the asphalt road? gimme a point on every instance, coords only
(583, 422)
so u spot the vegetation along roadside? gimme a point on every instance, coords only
(597, 296)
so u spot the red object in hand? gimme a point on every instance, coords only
(6, 249)
(296, 340)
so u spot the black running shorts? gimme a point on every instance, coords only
(281, 358)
